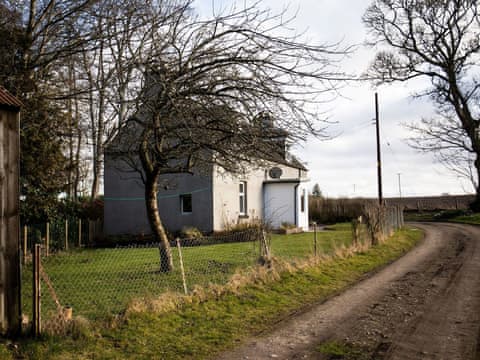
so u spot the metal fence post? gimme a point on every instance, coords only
(182, 269)
(315, 238)
(36, 291)
(79, 232)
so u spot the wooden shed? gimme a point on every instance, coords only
(10, 310)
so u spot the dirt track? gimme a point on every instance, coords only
(426, 305)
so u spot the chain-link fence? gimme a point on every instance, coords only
(101, 282)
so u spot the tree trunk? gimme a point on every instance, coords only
(151, 201)
(475, 205)
(78, 129)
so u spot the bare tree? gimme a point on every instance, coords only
(52, 32)
(438, 40)
(110, 68)
(226, 91)
(448, 142)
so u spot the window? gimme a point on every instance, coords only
(186, 203)
(302, 201)
(242, 196)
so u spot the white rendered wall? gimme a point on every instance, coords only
(226, 204)
(302, 217)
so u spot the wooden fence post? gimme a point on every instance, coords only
(36, 291)
(79, 232)
(47, 239)
(89, 232)
(66, 235)
(25, 243)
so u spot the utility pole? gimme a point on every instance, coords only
(399, 185)
(379, 160)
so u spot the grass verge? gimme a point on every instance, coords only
(337, 350)
(202, 328)
(473, 219)
(456, 216)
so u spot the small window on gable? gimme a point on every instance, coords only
(186, 203)
(302, 201)
(242, 196)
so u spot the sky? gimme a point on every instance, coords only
(346, 165)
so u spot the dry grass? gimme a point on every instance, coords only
(58, 325)
(257, 275)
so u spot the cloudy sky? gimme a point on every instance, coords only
(346, 164)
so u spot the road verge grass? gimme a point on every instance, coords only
(473, 219)
(203, 327)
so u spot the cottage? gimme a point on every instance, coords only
(273, 191)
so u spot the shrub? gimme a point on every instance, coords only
(190, 232)
(241, 226)
(331, 211)
(287, 225)
(448, 214)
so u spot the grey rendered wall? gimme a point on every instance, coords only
(125, 211)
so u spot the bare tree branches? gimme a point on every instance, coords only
(228, 91)
(438, 40)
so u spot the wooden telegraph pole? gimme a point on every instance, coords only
(379, 160)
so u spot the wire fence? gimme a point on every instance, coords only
(60, 235)
(100, 282)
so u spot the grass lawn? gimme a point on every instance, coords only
(302, 245)
(201, 329)
(97, 283)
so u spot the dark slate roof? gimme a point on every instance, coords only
(294, 162)
(8, 100)
(288, 160)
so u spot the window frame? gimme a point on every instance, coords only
(242, 197)
(183, 197)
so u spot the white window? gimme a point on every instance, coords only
(242, 196)
(186, 203)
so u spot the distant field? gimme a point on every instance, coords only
(467, 219)
(100, 282)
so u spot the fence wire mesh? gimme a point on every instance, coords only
(101, 282)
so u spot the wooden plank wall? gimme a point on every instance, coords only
(10, 312)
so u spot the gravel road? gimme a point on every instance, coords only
(426, 305)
